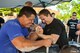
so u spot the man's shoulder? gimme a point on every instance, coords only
(59, 22)
(12, 22)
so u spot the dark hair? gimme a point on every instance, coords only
(74, 13)
(53, 13)
(27, 11)
(69, 49)
(45, 12)
(28, 2)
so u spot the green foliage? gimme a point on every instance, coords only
(63, 6)
(67, 8)
(9, 10)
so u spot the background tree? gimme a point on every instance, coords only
(67, 8)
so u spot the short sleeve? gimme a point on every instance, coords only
(13, 30)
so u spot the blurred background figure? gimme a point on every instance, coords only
(53, 14)
(72, 24)
(28, 3)
(1, 20)
(69, 49)
(78, 32)
(78, 25)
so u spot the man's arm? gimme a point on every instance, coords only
(67, 27)
(53, 37)
(78, 32)
(26, 45)
(33, 36)
(78, 26)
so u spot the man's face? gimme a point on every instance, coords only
(74, 16)
(43, 18)
(28, 21)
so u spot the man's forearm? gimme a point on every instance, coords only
(44, 36)
(28, 49)
(33, 36)
(31, 45)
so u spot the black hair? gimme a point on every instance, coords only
(74, 13)
(53, 13)
(28, 2)
(27, 11)
(45, 12)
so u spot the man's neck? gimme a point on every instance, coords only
(73, 18)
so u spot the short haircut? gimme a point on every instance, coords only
(45, 12)
(27, 11)
(28, 3)
(74, 13)
(53, 13)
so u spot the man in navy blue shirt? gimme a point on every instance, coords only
(13, 33)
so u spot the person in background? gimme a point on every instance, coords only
(14, 32)
(1, 20)
(72, 25)
(78, 27)
(28, 3)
